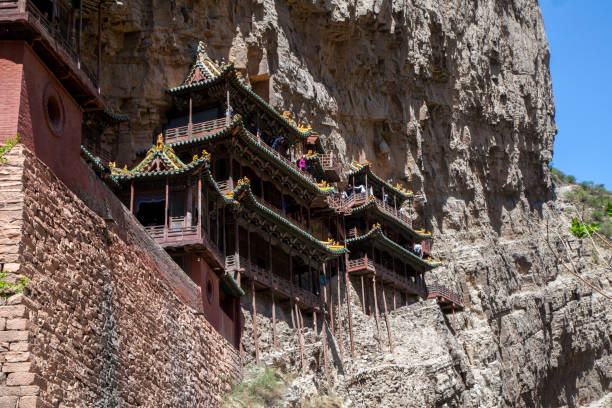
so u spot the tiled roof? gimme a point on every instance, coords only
(377, 234)
(361, 168)
(159, 161)
(372, 204)
(261, 148)
(205, 73)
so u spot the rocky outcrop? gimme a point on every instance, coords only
(451, 98)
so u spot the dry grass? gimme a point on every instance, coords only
(261, 388)
(323, 401)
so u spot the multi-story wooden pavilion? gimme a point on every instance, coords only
(242, 196)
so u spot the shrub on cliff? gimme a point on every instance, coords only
(5, 149)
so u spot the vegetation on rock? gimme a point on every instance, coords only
(594, 203)
(261, 387)
(5, 149)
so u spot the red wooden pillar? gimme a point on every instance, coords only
(166, 210)
(190, 123)
(132, 197)
(99, 45)
(200, 205)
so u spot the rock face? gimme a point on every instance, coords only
(452, 98)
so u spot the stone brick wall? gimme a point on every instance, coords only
(101, 323)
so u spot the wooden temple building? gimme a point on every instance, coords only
(241, 196)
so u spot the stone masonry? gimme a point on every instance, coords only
(99, 325)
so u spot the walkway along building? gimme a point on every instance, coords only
(241, 196)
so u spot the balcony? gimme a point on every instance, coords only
(54, 44)
(331, 167)
(194, 130)
(448, 300)
(227, 186)
(180, 235)
(365, 266)
(281, 286)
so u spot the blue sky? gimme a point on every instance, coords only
(580, 37)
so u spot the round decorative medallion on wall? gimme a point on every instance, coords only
(210, 291)
(54, 110)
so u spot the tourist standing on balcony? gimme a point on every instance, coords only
(302, 163)
(418, 249)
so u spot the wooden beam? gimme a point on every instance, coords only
(166, 211)
(376, 312)
(363, 298)
(339, 314)
(132, 197)
(254, 309)
(200, 204)
(382, 286)
(325, 337)
(273, 321)
(99, 44)
(299, 329)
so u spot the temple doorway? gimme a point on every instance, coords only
(151, 213)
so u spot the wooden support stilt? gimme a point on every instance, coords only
(454, 327)
(166, 211)
(339, 314)
(324, 330)
(363, 298)
(331, 306)
(200, 208)
(376, 313)
(299, 329)
(394, 304)
(291, 302)
(254, 308)
(99, 78)
(382, 286)
(314, 321)
(348, 305)
(273, 321)
(132, 197)
(325, 358)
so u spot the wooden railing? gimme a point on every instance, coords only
(172, 234)
(99, 153)
(37, 19)
(232, 262)
(197, 129)
(226, 186)
(360, 263)
(392, 211)
(275, 282)
(435, 290)
(283, 215)
(11, 6)
(280, 156)
(329, 163)
(385, 274)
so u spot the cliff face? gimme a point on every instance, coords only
(452, 98)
